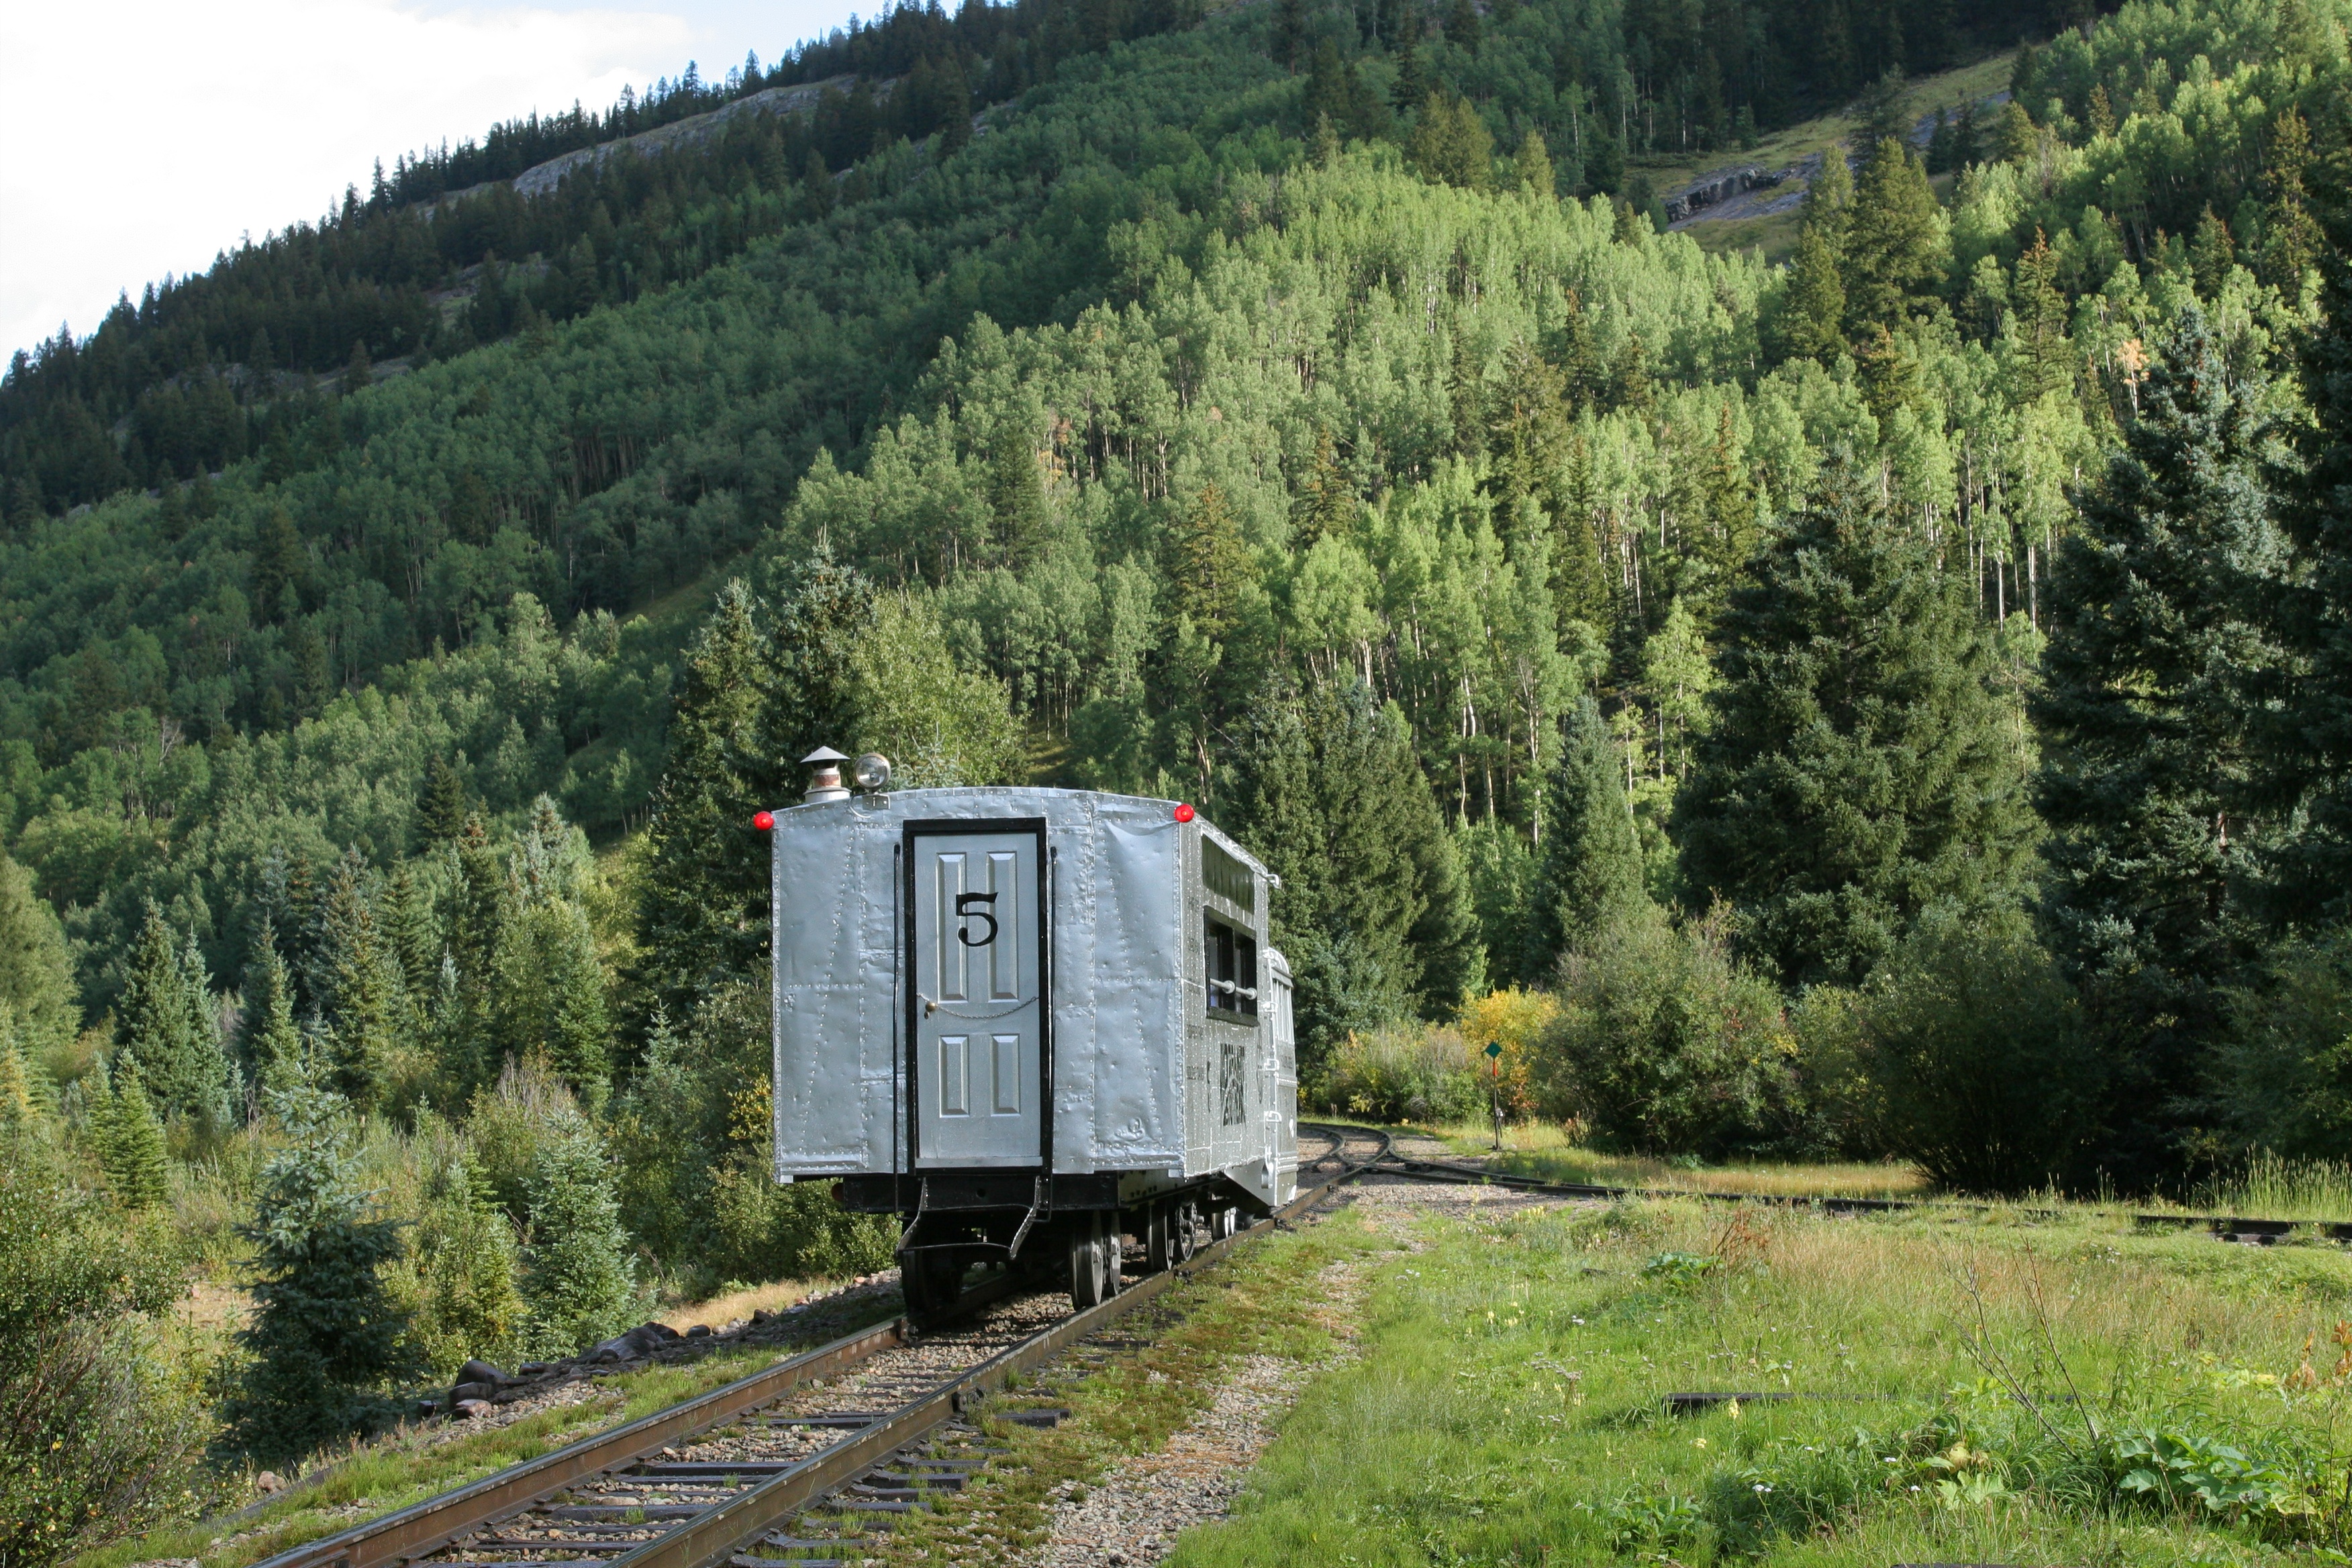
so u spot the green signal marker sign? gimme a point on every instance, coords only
(1494, 1048)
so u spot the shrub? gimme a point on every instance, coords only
(327, 1340)
(1405, 1072)
(1515, 1020)
(579, 1277)
(2286, 1072)
(460, 1276)
(1972, 1060)
(692, 1131)
(1665, 1044)
(96, 1438)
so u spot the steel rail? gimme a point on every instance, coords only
(2226, 1226)
(437, 1521)
(720, 1533)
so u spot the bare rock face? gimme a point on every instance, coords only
(1710, 190)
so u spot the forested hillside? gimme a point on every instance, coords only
(1892, 704)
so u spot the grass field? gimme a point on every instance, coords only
(1987, 1390)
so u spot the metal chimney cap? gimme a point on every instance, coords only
(826, 755)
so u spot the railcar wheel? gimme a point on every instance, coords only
(1086, 1262)
(1114, 1264)
(1157, 1256)
(1185, 1230)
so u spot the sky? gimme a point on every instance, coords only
(141, 137)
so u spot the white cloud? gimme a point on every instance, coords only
(141, 137)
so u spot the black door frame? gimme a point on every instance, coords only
(909, 1063)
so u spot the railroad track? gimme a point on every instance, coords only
(795, 1464)
(798, 1463)
(2226, 1227)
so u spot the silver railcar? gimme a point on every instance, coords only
(1029, 1022)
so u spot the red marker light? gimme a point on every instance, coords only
(1183, 811)
(763, 820)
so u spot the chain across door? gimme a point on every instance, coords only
(977, 964)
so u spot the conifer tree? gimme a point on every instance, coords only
(326, 1340)
(2040, 317)
(131, 1146)
(1374, 912)
(1532, 167)
(1209, 563)
(21, 1105)
(441, 807)
(1327, 501)
(1895, 242)
(1461, 25)
(1451, 144)
(2155, 652)
(2306, 767)
(1589, 866)
(164, 1026)
(465, 988)
(1859, 765)
(273, 1045)
(2211, 254)
(764, 684)
(356, 999)
(412, 939)
(2292, 240)
(578, 1278)
(1814, 313)
(551, 992)
(697, 919)
(1017, 493)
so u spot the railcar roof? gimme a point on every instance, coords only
(1037, 799)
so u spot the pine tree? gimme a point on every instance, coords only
(441, 808)
(1327, 501)
(2040, 317)
(1814, 313)
(2292, 240)
(131, 1149)
(274, 1052)
(1374, 912)
(2155, 651)
(165, 1025)
(579, 1277)
(356, 999)
(1531, 168)
(762, 689)
(1209, 563)
(1895, 242)
(1461, 25)
(2306, 767)
(412, 935)
(327, 1340)
(1859, 767)
(552, 994)
(704, 875)
(2211, 254)
(22, 1110)
(1451, 144)
(1590, 866)
(465, 986)
(1017, 493)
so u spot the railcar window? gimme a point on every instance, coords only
(1226, 876)
(1231, 960)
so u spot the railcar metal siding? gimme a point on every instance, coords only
(1128, 997)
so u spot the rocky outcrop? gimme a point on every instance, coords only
(1710, 190)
